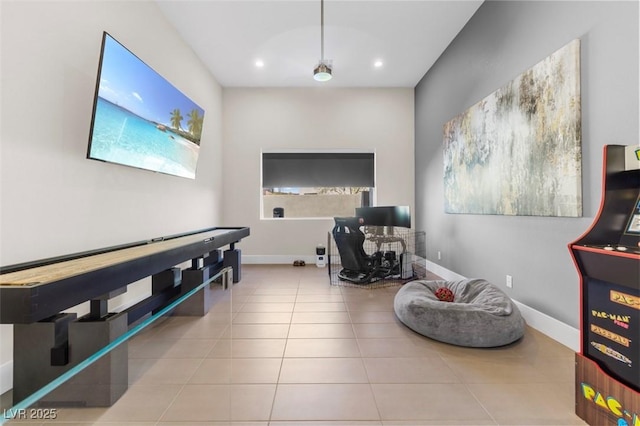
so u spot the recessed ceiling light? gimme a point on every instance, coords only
(378, 63)
(259, 63)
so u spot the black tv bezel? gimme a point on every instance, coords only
(95, 97)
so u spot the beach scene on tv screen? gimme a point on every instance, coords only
(142, 120)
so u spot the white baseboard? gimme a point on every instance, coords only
(284, 259)
(442, 271)
(557, 330)
(6, 377)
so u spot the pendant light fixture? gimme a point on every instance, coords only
(322, 71)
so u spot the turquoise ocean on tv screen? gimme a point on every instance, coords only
(120, 136)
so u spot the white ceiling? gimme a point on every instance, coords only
(231, 35)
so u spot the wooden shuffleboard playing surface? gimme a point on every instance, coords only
(43, 289)
(43, 275)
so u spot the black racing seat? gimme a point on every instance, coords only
(349, 240)
(358, 266)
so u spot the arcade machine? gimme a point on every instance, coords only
(607, 257)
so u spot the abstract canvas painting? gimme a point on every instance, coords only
(517, 151)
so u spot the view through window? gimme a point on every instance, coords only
(314, 202)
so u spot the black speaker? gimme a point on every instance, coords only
(365, 199)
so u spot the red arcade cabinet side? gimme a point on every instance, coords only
(607, 257)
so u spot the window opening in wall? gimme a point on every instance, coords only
(316, 184)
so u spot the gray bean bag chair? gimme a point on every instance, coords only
(481, 314)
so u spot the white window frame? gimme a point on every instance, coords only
(372, 193)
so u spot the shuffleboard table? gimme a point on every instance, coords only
(49, 341)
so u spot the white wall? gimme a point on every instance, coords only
(312, 119)
(53, 200)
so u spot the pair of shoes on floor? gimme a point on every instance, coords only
(298, 263)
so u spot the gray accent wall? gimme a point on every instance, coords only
(503, 39)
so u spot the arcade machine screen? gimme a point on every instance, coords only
(634, 220)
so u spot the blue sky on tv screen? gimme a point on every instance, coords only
(128, 82)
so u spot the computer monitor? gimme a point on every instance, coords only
(385, 216)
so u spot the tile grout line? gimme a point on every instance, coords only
(364, 365)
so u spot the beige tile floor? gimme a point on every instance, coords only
(284, 347)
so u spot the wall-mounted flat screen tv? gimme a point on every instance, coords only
(140, 119)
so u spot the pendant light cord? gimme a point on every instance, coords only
(322, 31)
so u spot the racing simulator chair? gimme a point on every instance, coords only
(357, 266)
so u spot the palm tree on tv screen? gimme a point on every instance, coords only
(176, 118)
(195, 123)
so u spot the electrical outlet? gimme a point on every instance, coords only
(509, 281)
(439, 255)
